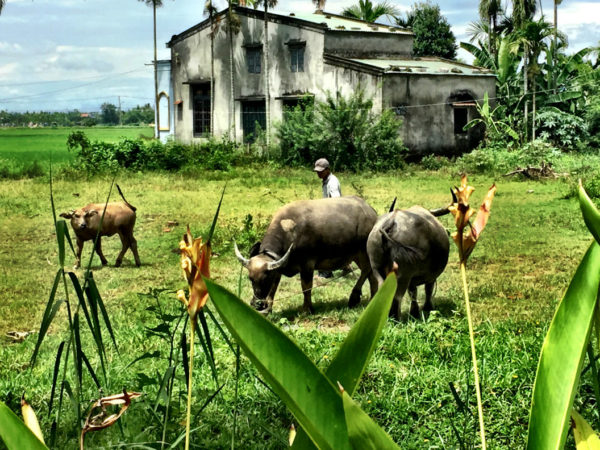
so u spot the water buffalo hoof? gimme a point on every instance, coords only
(414, 310)
(354, 299)
(117, 263)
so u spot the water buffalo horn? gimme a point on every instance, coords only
(243, 260)
(280, 262)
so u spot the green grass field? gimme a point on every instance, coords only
(517, 274)
(26, 145)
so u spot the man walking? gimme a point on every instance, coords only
(331, 185)
(331, 188)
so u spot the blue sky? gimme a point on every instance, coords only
(58, 55)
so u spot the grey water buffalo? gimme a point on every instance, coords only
(118, 218)
(418, 243)
(309, 235)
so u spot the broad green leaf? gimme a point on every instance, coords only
(591, 215)
(355, 352)
(561, 357)
(585, 437)
(307, 392)
(364, 434)
(14, 432)
(49, 313)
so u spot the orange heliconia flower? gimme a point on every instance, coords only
(462, 213)
(195, 263)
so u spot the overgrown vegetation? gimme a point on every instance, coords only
(345, 131)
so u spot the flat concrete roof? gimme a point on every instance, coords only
(341, 23)
(431, 66)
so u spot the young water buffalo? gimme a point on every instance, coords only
(118, 218)
(418, 243)
(309, 235)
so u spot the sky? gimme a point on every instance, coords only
(60, 55)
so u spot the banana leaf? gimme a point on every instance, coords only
(14, 432)
(563, 351)
(585, 437)
(307, 392)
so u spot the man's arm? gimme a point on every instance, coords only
(334, 187)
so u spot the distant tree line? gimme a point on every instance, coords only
(109, 115)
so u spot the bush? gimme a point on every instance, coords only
(138, 154)
(496, 159)
(343, 130)
(561, 129)
(11, 170)
(592, 118)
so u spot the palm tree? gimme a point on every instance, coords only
(367, 11)
(556, 3)
(214, 29)
(267, 4)
(2, 2)
(489, 10)
(155, 4)
(319, 4)
(233, 27)
(533, 38)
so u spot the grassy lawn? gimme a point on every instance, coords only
(518, 272)
(42, 144)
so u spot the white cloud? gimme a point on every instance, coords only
(10, 48)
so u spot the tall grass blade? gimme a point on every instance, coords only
(72, 399)
(78, 349)
(219, 327)
(355, 352)
(184, 356)
(55, 375)
(591, 215)
(93, 290)
(90, 370)
(60, 238)
(206, 334)
(562, 356)
(49, 313)
(364, 434)
(162, 393)
(585, 437)
(14, 432)
(214, 222)
(307, 392)
(207, 352)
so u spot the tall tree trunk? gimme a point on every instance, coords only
(232, 131)
(212, 74)
(555, 46)
(525, 107)
(267, 92)
(156, 101)
(533, 88)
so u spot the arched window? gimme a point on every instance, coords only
(164, 108)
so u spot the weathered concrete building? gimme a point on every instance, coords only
(310, 54)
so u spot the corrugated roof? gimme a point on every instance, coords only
(341, 23)
(424, 65)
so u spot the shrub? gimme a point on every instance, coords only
(561, 129)
(343, 130)
(434, 162)
(138, 154)
(592, 118)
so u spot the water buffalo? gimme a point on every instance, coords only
(118, 218)
(418, 243)
(309, 235)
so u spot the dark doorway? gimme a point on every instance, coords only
(201, 109)
(253, 119)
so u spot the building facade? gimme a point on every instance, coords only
(310, 55)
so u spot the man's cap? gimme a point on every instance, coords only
(321, 165)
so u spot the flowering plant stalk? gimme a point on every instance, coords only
(465, 242)
(195, 263)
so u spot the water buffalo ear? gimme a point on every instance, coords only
(254, 250)
(67, 215)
